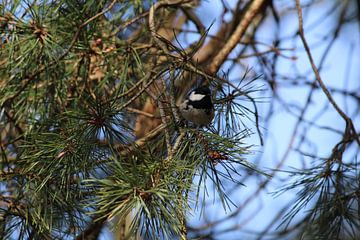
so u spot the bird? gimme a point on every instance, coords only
(197, 107)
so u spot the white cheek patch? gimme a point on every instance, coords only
(196, 97)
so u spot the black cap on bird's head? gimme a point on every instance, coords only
(205, 90)
(200, 97)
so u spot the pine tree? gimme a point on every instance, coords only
(91, 134)
(78, 150)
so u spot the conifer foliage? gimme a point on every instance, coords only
(78, 146)
(92, 137)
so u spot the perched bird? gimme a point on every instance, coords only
(198, 107)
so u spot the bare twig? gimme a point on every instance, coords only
(124, 150)
(134, 110)
(152, 27)
(152, 79)
(349, 123)
(163, 116)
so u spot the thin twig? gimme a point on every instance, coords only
(126, 149)
(129, 22)
(174, 108)
(159, 100)
(152, 27)
(134, 110)
(141, 90)
(349, 123)
(132, 89)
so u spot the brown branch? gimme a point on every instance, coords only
(124, 150)
(235, 38)
(93, 230)
(12, 119)
(349, 124)
(159, 98)
(131, 100)
(152, 27)
(129, 22)
(134, 110)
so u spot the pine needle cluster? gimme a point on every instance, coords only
(73, 78)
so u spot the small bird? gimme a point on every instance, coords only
(198, 107)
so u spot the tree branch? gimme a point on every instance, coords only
(349, 124)
(235, 38)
